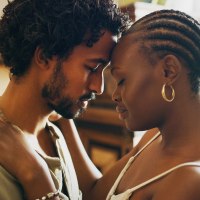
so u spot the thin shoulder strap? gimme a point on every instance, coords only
(162, 175)
(112, 190)
(147, 144)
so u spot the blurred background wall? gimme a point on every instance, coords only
(143, 7)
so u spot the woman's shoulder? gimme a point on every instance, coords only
(182, 184)
(148, 136)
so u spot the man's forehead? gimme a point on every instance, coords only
(88, 35)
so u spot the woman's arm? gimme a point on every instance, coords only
(86, 171)
(92, 183)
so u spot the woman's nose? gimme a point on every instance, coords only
(115, 96)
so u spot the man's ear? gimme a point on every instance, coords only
(171, 68)
(40, 59)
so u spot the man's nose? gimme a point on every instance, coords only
(97, 83)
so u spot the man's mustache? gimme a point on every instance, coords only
(88, 97)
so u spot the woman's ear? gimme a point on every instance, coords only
(171, 68)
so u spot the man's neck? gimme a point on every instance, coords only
(24, 107)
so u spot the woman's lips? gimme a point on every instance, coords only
(123, 113)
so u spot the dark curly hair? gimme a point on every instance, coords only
(56, 26)
(170, 32)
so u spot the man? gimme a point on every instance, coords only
(56, 51)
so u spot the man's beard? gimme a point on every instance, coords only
(65, 106)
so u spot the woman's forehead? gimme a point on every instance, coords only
(124, 50)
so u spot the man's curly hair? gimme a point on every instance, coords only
(56, 26)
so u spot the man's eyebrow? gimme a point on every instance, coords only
(99, 60)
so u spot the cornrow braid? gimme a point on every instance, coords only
(171, 32)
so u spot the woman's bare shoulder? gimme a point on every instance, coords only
(181, 184)
(146, 138)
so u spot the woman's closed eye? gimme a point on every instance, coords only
(121, 82)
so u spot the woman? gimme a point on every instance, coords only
(156, 66)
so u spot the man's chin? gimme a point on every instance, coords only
(72, 115)
(79, 113)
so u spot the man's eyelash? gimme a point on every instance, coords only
(93, 69)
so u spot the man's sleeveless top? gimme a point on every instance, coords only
(128, 193)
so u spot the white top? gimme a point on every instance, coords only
(128, 193)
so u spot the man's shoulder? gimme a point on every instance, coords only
(5, 174)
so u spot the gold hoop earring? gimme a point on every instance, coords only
(164, 94)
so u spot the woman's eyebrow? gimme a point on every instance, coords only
(113, 69)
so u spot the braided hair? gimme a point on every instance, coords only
(56, 26)
(170, 32)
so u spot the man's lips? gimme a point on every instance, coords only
(88, 97)
(83, 103)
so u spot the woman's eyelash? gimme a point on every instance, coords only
(121, 82)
